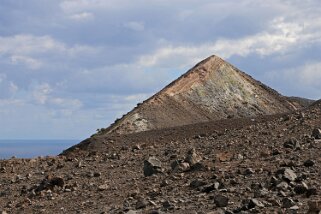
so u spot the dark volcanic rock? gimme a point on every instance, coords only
(208, 188)
(311, 191)
(291, 144)
(180, 166)
(316, 133)
(309, 163)
(197, 183)
(287, 174)
(301, 188)
(249, 171)
(221, 201)
(192, 157)
(140, 204)
(255, 203)
(152, 166)
(49, 183)
(287, 202)
(168, 205)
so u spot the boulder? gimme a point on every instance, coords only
(180, 166)
(221, 201)
(316, 133)
(192, 157)
(287, 174)
(152, 166)
(287, 203)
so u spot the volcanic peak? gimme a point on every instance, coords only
(213, 89)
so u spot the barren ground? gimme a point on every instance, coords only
(270, 164)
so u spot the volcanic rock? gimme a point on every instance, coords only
(49, 183)
(311, 191)
(152, 166)
(102, 187)
(192, 157)
(291, 144)
(140, 204)
(316, 133)
(301, 188)
(249, 171)
(287, 202)
(168, 205)
(283, 185)
(180, 166)
(197, 183)
(208, 188)
(287, 174)
(308, 163)
(255, 203)
(221, 200)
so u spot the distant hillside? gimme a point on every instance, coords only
(299, 101)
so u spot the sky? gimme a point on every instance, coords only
(69, 67)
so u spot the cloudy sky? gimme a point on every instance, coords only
(68, 67)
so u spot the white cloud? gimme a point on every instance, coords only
(12, 87)
(25, 44)
(41, 93)
(10, 103)
(136, 26)
(67, 104)
(137, 97)
(281, 37)
(78, 6)
(7, 87)
(185, 14)
(77, 50)
(28, 61)
(29, 49)
(130, 78)
(83, 16)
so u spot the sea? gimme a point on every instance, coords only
(33, 148)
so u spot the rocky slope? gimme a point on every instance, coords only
(267, 164)
(212, 90)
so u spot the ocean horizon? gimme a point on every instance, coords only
(33, 148)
